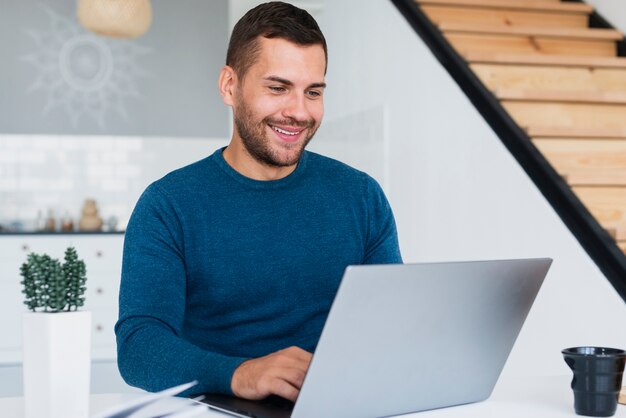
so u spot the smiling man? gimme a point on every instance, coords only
(231, 264)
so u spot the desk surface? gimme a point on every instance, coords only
(546, 397)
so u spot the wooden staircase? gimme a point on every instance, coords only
(560, 80)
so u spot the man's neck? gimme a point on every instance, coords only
(245, 164)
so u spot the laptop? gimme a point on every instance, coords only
(403, 338)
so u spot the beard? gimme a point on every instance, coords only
(255, 140)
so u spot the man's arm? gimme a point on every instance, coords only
(151, 352)
(382, 239)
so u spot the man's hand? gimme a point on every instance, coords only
(280, 373)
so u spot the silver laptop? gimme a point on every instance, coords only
(410, 337)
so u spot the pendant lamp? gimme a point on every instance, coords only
(115, 18)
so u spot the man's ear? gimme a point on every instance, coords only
(227, 84)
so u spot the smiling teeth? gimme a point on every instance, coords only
(282, 131)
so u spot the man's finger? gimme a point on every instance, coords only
(293, 376)
(296, 364)
(284, 389)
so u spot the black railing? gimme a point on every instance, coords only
(596, 241)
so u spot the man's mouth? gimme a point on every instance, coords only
(283, 131)
(287, 134)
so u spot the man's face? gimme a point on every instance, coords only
(278, 105)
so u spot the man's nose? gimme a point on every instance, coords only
(296, 108)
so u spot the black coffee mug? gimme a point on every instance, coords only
(597, 378)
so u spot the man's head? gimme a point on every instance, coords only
(271, 20)
(274, 81)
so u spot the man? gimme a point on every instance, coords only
(231, 264)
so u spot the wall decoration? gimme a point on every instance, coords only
(57, 78)
(85, 75)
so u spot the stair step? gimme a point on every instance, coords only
(548, 131)
(545, 60)
(586, 162)
(607, 205)
(569, 80)
(571, 7)
(539, 32)
(507, 32)
(567, 115)
(504, 17)
(607, 97)
(524, 44)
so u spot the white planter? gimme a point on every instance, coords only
(57, 364)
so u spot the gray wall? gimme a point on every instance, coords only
(58, 78)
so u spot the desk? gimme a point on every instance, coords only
(546, 397)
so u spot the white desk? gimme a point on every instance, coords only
(547, 397)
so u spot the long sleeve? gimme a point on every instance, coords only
(151, 352)
(382, 239)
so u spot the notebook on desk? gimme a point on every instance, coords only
(409, 337)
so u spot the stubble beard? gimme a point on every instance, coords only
(254, 138)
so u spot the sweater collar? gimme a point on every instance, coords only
(218, 158)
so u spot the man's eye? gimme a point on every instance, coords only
(314, 93)
(276, 89)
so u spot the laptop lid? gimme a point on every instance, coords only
(403, 338)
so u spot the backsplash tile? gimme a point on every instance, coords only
(40, 173)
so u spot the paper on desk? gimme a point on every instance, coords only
(128, 408)
(167, 410)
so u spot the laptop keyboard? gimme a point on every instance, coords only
(272, 406)
(278, 402)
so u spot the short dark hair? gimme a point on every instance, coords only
(275, 19)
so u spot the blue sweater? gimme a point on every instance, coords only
(219, 268)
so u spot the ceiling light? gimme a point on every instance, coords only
(115, 18)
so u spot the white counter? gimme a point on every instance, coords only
(545, 397)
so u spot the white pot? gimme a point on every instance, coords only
(57, 364)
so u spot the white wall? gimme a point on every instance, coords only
(456, 191)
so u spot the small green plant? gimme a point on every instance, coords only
(50, 286)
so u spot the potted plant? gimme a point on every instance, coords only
(56, 337)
